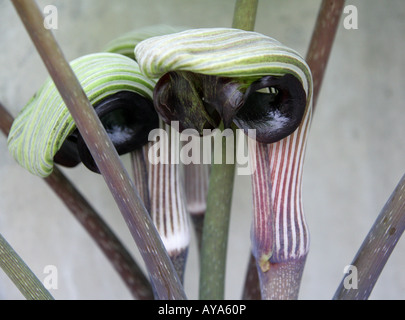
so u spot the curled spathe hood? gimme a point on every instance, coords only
(45, 123)
(241, 77)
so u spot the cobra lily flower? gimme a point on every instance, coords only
(167, 201)
(253, 81)
(44, 132)
(196, 177)
(209, 75)
(159, 187)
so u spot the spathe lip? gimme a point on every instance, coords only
(274, 116)
(200, 102)
(101, 75)
(127, 117)
(224, 62)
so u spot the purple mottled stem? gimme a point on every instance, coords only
(251, 290)
(322, 41)
(121, 259)
(377, 247)
(163, 275)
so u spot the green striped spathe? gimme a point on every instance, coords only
(45, 122)
(225, 52)
(279, 231)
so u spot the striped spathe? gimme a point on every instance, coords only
(225, 52)
(279, 230)
(45, 122)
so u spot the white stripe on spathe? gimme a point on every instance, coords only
(218, 51)
(168, 207)
(44, 123)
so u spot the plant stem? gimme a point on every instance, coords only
(283, 280)
(164, 278)
(251, 289)
(389, 226)
(321, 42)
(244, 16)
(219, 197)
(121, 259)
(6, 120)
(24, 279)
(215, 230)
(377, 247)
(96, 227)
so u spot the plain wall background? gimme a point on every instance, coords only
(354, 160)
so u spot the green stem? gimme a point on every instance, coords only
(219, 197)
(24, 279)
(251, 289)
(163, 275)
(244, 16)
(215, 230)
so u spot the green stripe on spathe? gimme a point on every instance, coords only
(224, 52)
(45, 122)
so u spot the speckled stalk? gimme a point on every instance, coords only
(322, 40)
(21, 275)
(96, 227)
(163, 275)
(376, 248)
